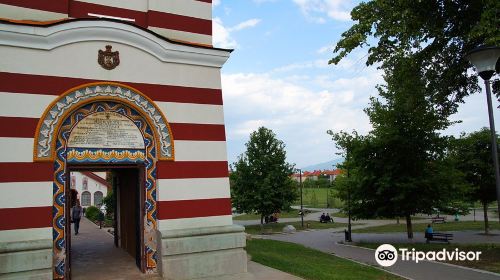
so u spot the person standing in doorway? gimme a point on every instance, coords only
(76, 215)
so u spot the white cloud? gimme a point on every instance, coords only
(326, 49)
(222, 35)
(298, 115)
(319, 63)
(474, 115)
(246, 24)
(315, 10)
(215, 3)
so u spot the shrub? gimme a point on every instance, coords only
(92, 213)
(110, 202)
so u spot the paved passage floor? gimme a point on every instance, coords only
(94, 256)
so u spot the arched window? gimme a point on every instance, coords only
(97, 198)
(85, 198)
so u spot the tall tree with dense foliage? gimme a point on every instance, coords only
(421, 47)
(472, 153)
(436, 34)
(261, 179)
(400, 168)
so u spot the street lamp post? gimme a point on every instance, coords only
(301, 204)
(485, 59)
(349, 229)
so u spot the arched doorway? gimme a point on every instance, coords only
(104, 125)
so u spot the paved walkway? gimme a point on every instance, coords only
(326, 241)
(315, 217)
(257, 271)
(94, 256)
(477, 216)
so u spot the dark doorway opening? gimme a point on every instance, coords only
(111, 249)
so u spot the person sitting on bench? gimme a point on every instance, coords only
(328, 219)
(322, 219)
(428, 232)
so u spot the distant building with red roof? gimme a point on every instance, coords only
(314, 175)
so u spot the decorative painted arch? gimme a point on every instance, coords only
(65, 154)
(51, 121)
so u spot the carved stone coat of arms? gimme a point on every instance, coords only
(108, 59)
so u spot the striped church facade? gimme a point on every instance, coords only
(183, 20)
(49, 50)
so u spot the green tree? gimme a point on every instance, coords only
(261, 176)
(110, 203)
(323, 182)
(309, 183)
(400, 168)
(437, 34)
(472, 154)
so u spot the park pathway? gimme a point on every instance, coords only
(477, 215)
(327, 241)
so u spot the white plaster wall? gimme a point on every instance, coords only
(137, 64)
(93, 186)
(20, 13)
(79, 60)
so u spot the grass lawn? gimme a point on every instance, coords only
(278, 227)
(310, 264)
(488, 260)
(317, 198)
(449, 226)
(286, 214)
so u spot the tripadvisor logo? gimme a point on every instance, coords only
(387, 255)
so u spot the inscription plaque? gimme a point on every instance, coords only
(106, 130)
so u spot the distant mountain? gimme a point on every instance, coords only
(324, 165)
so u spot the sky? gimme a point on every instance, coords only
(278, 77)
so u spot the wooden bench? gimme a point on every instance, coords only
(436, 220)
(441, 237)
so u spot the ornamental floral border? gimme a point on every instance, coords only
(60, 167)
(46, 133)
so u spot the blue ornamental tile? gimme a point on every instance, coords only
(148, 205)
(60, 268)
(60, 199)
(60, 244)
(60, 222)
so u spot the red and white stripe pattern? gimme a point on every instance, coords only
(193, 190)
(184, 20)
